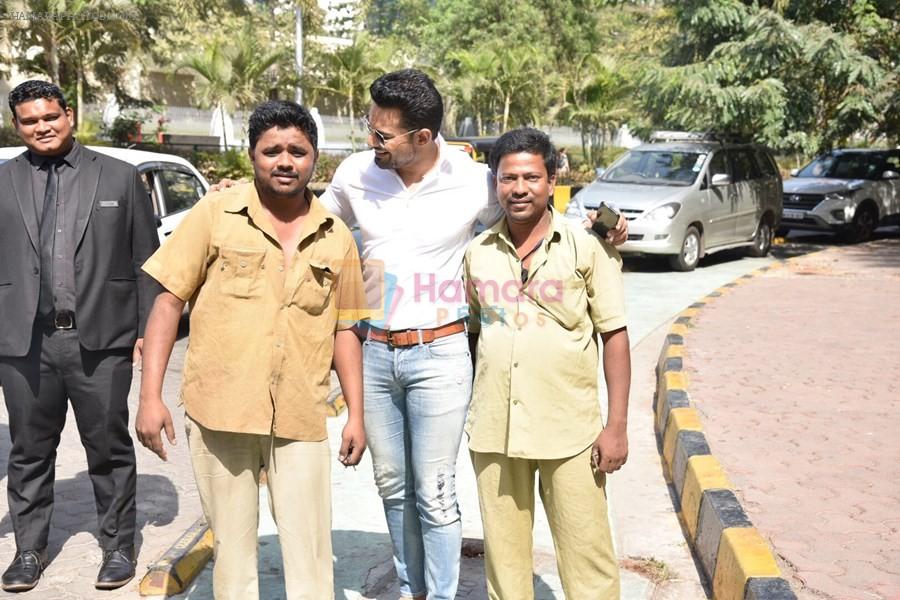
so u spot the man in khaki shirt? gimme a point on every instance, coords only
(275, 284)
(540, 291)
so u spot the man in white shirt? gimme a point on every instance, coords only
(417, 202)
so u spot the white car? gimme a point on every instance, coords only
(173, 184)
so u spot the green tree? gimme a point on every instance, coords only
(738, 67)
(233, 76)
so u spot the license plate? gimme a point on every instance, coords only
(794, 215)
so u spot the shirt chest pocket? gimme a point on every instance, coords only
(315, 289)
(241, 272)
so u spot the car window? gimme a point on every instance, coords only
(855, 165)
(718, 164)
(657, 167)
(182, 189)
(743, 166)
(766, 164)
(147, 180)
(892, 163)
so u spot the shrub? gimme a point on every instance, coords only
(216, 166)
(9, 137)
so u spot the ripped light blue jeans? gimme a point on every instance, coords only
(415, 408)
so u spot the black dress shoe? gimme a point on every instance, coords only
(117, 569)
(24, 571)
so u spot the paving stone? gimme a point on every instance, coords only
(802, 418)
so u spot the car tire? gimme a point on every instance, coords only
(863, 226)
(689, 256)
(762, 241)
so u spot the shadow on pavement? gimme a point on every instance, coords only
(363, 568)
(157, 505)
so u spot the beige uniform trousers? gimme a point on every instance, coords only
(226, 467)
(575, 501)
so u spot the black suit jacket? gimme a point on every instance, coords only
(115, 234)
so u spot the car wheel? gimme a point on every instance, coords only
(762, 241)
(865, 221)
(687, 259)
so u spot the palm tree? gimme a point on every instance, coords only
(232, 75)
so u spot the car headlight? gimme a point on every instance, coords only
(572, 209)
(666, 212)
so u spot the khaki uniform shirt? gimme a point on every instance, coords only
(261, 337)
(535, 392)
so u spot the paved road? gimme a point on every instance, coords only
(802, 406)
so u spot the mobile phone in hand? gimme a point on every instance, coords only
(607, 218)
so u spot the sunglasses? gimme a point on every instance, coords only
(382, 138)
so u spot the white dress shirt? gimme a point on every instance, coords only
(414, 239)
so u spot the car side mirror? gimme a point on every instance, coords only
(890, 175)
(794, 172)
(721, 179)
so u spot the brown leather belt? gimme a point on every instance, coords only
(402, 338)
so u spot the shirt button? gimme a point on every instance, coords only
(515, 364)
(243, 264)
(515, 402)
(281, 267)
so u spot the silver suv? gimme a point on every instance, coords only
(686, 195)
(850, 192)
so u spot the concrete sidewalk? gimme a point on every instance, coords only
(795, 374)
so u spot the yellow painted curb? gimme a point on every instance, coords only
(675, 380)
(743, 553)
(689, 312)
(704, 472)
(180, 564)
(675, 351)
(679, 329)
(680, 419)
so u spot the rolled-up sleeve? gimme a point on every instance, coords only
(605, 290)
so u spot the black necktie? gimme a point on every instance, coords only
(48, 225)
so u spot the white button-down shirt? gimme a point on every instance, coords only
(413, 240)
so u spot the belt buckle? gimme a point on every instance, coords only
(63, 320)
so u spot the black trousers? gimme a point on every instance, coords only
(37, 389)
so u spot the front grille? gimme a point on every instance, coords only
(631, 213)
(802, 201)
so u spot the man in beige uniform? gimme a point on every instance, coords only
(275, 284)
(540, 292)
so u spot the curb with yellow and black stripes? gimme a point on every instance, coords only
(735, 558)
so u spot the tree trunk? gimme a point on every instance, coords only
(53, 55)
(224, 132)
(79, 95)
(351, 119)
(506, 103)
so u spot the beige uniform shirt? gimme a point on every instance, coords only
(261, 337)
(535, 391)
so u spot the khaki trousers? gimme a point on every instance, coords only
(226, 467)
(575, 501)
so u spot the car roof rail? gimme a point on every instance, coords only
(698, 136)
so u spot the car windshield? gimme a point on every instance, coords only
(656, 167)
(844, 166)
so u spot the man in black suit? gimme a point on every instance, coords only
(75, 227)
